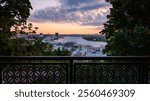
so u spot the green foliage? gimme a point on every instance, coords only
(127, 43)
(4, 44)
(26, 28)
(127, 28)
(94, 38)
(12, 12)
(35, 47)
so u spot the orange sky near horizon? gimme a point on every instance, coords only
(51, 28)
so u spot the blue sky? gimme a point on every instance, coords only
(82, 15)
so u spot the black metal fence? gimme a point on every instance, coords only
(74, 70)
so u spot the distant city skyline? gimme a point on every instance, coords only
(69, 16)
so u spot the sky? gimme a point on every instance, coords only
(69, 16)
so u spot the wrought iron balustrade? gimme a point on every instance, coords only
(74, 70)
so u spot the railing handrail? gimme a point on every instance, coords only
(74, 57)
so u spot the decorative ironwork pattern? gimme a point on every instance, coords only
(104, 73)
(80, 70)
(34, 73)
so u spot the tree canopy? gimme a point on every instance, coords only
(12, 12)
(127, 29)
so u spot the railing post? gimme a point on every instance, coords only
(1, 75)
(144, 72)
(71, 71)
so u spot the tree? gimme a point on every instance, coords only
(30, 27)
(122, 28)
(36, 28)
(25, 28)
(38, 48)
(12, 13)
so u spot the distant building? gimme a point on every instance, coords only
(56, 36)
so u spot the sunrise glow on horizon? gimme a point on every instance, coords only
(69, 16)
(51, 28)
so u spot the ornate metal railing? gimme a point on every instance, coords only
(74, 70)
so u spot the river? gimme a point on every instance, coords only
(81, 41)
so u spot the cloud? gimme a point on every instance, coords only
(78, 2)
(88, 7)
(82, 12)
(94, 6)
